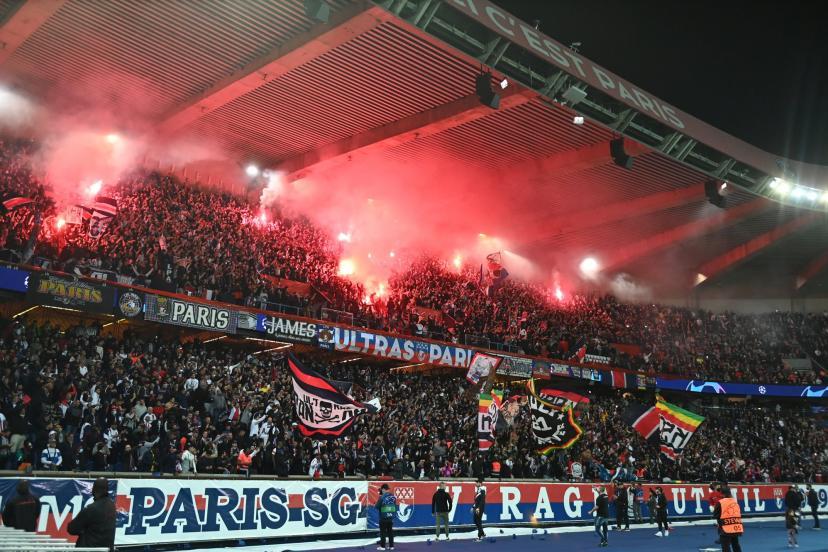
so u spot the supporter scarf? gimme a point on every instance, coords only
(675, 428)
(322, 410)
(553, 428)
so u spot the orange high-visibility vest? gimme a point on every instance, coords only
(495, 467)
(731, 517)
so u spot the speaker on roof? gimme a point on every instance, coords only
(619, 156)
(714, 190)
(487, 96)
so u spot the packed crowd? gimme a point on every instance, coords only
(79, 399)
(177, 237)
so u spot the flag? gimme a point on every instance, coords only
(676, 427)
(105, 205)
(553, 428)
(644, 419)
(559, 398)
(323, 411)
(11, 202)
(488, 406)
(481, 366)
(624, 380)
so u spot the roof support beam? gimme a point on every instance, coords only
(23, 23)
(658, 242)
(813, 268)
(615, 212)
(349, 22)
(742, 252)
(408, 129)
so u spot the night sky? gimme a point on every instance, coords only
(757, 70)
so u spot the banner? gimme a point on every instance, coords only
(61, 501)
(297, 331)
(753, 389)
(488, 405)
(624, 380)
(481, 366)
(552, 428)
(14, 280)
(567, 370)
(173, 511)
(516, 367)
(559, 398)
(322, 409)
(70, 292)
(335, 338)
(529, 503)
(202, 316)
(675, 428)
(130, 303)
(158, 511)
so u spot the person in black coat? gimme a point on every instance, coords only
(440, 508)
(95, 525)
(813, 502)
(22, 511)
(793, 500)
(661, 513)
(621, 504)
(479, 508)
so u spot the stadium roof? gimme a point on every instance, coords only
(395, 79)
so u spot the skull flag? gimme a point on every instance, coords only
(323, 411)
(552, 427)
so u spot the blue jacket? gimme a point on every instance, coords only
(387, 506)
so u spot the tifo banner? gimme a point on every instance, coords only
(168, 511)
(523, 503)
(516, 367)
(284, 328)
(170, 310)
(480, 367)
(567, 370)
(717, 388)
(69, 292)
(335, 338)
(60, 499)
(130, 303)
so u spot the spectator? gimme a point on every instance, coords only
(440, 507)
(22, 511)
(95, 524)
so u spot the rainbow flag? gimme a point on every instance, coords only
(675, 427)
(488, 408)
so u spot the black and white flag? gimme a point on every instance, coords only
(322, 409)
(553, 428)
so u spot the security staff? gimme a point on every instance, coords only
(729, 516)
(22, 511)
(479, 508)
(387, 506)
(95, 525)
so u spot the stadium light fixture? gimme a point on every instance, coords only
(824, 197)
(812, 195)
(504, 83)
(487, 96)
(723, 186)
(578, 120)
(798, 192)
(252, 171)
